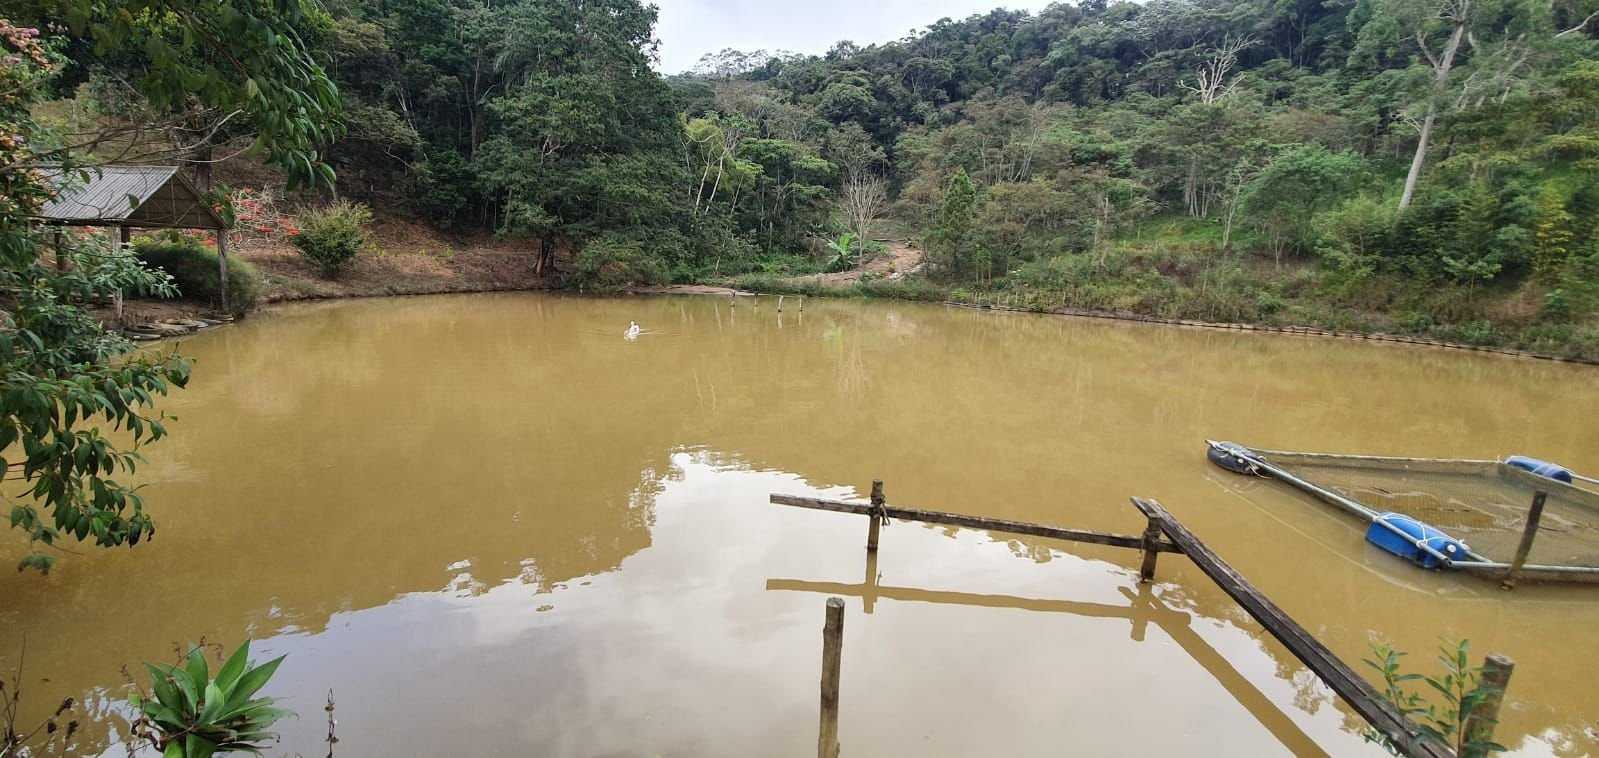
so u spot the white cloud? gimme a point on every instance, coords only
(689, 29)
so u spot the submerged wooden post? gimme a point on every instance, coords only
(779, 303)
(877, 515)
(832, 657)
(1528, 534)
(869, 587)
(1480, 723)
(1152, 534)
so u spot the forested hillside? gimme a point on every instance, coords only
(1420, 165)
(1380, 164)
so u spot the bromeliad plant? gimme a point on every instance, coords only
(192, 715)
(1461, 689)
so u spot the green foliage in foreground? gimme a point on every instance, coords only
(1448, 699)
(330, 237)
(192, 715)
(69, 386)
(193, 266)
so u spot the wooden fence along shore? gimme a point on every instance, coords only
(1163, 534)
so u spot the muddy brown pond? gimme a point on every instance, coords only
(491, 525)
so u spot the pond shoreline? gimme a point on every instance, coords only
(1311, 331)
(183, 310)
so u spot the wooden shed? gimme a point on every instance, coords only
(134, 197)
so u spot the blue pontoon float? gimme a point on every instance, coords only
(1417, 541)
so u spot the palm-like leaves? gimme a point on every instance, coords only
(193, 715)
(843, 250)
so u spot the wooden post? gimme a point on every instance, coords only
(1528, 534)
(1152, 534)
(876, 517)
(124, 241)
(832, 656)
(61, 249)
(222, 268)
(1480, 723)
(869, 587)
(779, 303)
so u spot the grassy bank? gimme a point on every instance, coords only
(1175, 269)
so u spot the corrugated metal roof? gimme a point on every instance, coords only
(132, 195)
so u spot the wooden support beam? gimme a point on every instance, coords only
(1354, 690)
(1528, 534)
(869, 586)
(872, 531)
(1146, 570)
(832, 657)
(222, 268)
(976, 522)
(1480, 723)
(124, 244)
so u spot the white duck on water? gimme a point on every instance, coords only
(633, 330)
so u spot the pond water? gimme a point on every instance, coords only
(490, 525)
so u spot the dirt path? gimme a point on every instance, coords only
(900, 260)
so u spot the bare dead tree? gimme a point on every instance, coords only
(1458, 14)
(1211, 82)
(864, 197)
(1493, 72)
(1581, 26)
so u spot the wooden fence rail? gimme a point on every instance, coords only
(1165, 534)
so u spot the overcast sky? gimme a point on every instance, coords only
(691, 28)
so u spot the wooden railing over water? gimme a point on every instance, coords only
(1163, 534)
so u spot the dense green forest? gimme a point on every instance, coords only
(1417, 165)
(1426, 165)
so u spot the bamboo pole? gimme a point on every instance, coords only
(876, 517)
(1480, 723)
(832, 655)
(1528, 534)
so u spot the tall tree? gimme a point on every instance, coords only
(1438, 29)
(582, 134)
